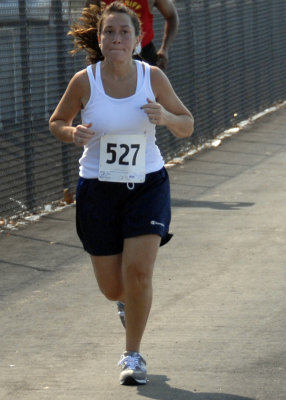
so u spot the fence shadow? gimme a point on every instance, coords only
(216, 205)
(159, 389)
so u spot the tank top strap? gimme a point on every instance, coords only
(90, 75)
(91, 79)
(140, 75)
(147, 77)
(146, 71)
(98, 81)
(89, 71)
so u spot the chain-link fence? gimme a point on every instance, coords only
(227, 63)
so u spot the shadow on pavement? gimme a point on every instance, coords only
(217, 205)
(44, 241)
(13, 264)
(159, 389)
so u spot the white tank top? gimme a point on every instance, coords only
(110, 115)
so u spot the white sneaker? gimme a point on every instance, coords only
(133, 369)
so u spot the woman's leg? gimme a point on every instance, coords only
(108, 273)
(138, 259)
(128, 277)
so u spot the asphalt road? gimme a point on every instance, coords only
(218, 322)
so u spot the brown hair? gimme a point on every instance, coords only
(86, 30)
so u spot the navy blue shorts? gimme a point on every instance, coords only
(107, 212)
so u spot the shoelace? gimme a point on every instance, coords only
(131, 362)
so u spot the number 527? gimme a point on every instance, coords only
(122, 152)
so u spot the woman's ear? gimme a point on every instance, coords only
(138, 47)
(139, 39)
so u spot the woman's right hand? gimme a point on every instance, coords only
(82, 134)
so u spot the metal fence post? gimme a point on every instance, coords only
(57, 17)
(26, 104)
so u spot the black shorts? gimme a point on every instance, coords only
(107, 212)
(148, 54)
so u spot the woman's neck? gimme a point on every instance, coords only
(120, 80)
(118, 71)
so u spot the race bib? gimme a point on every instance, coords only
(122, 158)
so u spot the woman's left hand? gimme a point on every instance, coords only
(155, 112)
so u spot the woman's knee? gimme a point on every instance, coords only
(111, 293)
(137, 276)
(108, 275)
(111, 287)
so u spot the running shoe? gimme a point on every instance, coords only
(133, 369)
(121, 312)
